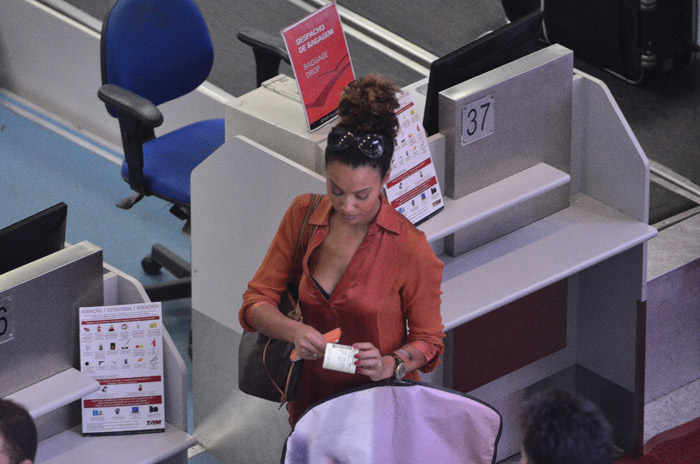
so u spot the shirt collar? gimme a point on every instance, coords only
(387, 218)
(321, 216)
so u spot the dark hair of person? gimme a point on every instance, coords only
(560, 427)
(18, 431)
(368, 106)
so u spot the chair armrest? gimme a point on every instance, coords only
(137, 118)
(131, 105)
(268, 49)
(260, 40)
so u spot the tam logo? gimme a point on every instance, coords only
(153, 422)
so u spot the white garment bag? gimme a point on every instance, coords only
(396, 422)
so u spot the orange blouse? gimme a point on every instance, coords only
(389, 295)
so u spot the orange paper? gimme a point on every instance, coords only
(331, 337)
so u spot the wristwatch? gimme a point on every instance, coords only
(399, 367)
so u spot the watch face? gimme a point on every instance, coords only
(399, 367)
(400, 371)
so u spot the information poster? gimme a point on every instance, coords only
(413, 189)
(321, 62)
(122, 348)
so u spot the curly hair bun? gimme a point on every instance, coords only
(368, 104)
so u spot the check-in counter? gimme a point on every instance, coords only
(41, 359)
(543, 236)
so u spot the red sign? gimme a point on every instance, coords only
(321, 63)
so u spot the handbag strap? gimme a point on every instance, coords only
(295, 271)
(313, 204)
(296, 314)
(283, 393)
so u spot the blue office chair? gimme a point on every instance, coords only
(153, 51)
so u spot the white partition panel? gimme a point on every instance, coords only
(242, 179)
(239, 195)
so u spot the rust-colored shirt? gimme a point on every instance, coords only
(389, 294)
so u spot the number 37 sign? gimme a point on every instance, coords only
(477, 119)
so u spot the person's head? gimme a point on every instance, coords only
(18, 436)
(560, 427)
(360, 147)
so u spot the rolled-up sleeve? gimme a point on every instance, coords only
(420, 295)
(270, 280)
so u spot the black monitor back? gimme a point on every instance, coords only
(508, 43)
(32, 238)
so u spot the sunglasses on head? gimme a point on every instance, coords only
(370, 145)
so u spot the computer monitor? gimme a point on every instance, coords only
(32, 238)
(510, 42)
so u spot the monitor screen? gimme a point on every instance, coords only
(494, 49)
(32, 238)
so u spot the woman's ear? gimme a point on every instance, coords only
(386, 178)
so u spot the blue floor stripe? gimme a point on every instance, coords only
(39, 169)
(11, 103)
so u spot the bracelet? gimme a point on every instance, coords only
(406, 353)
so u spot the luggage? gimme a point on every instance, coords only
(633, 39)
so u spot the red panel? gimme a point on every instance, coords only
(510, 337)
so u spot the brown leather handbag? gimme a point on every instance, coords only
(265, 369)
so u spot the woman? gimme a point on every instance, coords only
(366, 269)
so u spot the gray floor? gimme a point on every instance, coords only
(233, 60)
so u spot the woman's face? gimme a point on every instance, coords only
(354, 192)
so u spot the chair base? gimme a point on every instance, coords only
(181, 287)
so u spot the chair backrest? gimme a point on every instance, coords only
(158, 49)
(396, 423)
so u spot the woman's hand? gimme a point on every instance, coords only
(309, 342)
(370, 362)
